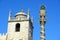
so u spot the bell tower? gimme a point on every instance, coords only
(42, 22)
(20, 27)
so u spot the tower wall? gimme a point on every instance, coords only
(23, 34)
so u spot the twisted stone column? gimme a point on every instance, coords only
(42, 22)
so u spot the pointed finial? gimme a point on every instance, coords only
(32, 20)
(28, 11)
(28, 14)
(10, 15)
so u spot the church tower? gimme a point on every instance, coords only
(42, 22)
(20, 27)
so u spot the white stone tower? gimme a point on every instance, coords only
(42, 22)
(20, 27)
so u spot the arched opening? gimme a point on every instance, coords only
(17, 27)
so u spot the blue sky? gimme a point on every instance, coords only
(52, 27)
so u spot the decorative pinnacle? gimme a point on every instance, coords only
(28, 16)
(28, 11)
(32, 20)
(10, 15)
